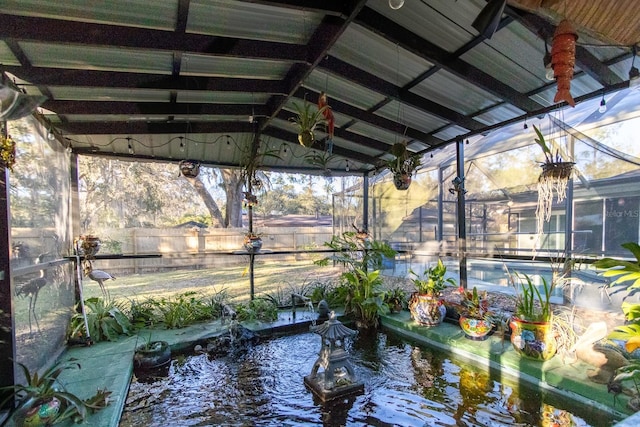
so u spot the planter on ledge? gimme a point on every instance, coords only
(534, 340)
(475, 329)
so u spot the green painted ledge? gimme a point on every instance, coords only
(566, 380)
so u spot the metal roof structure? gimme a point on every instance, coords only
(216, 80)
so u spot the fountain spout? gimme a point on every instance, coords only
(227, 311)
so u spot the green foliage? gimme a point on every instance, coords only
(259, 309)
(630, 372)
(396, 296)
(106, 321)
(328, 291)
(355, 252)
(40, 388)
(432, 281)
(475, 304)
(184, 310)
(308, 116)
(625, 271)
(365, 300)
(528, 294)
(143, 314)
(404, 162)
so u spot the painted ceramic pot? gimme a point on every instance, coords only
(475, 329)
(90, 245)
(402, 181)
(40, 413)
(253, 244)
(534, 340)
(189, 168)
(427, 310)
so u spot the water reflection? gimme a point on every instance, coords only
(405, 385)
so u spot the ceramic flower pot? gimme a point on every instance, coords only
(189, 168)
(402, 181)
(39, 413)
(534, 340)
(253, 244)
(475, 329)
(427, 310)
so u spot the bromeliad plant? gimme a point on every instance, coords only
(44, 400)
(308, 117)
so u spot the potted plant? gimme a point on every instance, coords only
(396, 299)
(152, 354)
(252, 242)
(307, 119)
(532, 332)
(403, 165)
(426, 304)
(475, 317)
(552, 181)
(43, 400)
(364, 300)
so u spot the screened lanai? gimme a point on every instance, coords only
(218, 82)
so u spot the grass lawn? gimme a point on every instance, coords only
(269, 278)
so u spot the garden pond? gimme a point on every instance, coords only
(406, 384)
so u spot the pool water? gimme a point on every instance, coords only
(405, 385)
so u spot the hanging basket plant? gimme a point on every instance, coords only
(403, 165)
(552, 181)
(7, 152)
(307, 119)
(189, 168)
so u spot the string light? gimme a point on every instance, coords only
(525, 126)
(181, 144)
(129, 146)
(347, 168)
(603, 105)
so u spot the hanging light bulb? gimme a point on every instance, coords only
(129, 146)
(50, 135)
(181, 144)
(603, 106)
(347, 168)
(525, 126)
(396, 4)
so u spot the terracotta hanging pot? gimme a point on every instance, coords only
(402, 181)
(427, 310)
(534, 340)
(189, 168)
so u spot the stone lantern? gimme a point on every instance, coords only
(337, 377)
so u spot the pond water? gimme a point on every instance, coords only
(405, 385)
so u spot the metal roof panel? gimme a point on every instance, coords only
(217, 66)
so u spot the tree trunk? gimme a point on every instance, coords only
(217, 221)
(233, 188)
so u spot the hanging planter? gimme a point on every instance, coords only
(552, 182)
(7, 152)
(189, 168)
(252, 242)
(90, 245)
(403, 165)
(307, 119)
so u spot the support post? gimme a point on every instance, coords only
(365, 203)
(462, 225)
(7, 309)
(439, 232)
